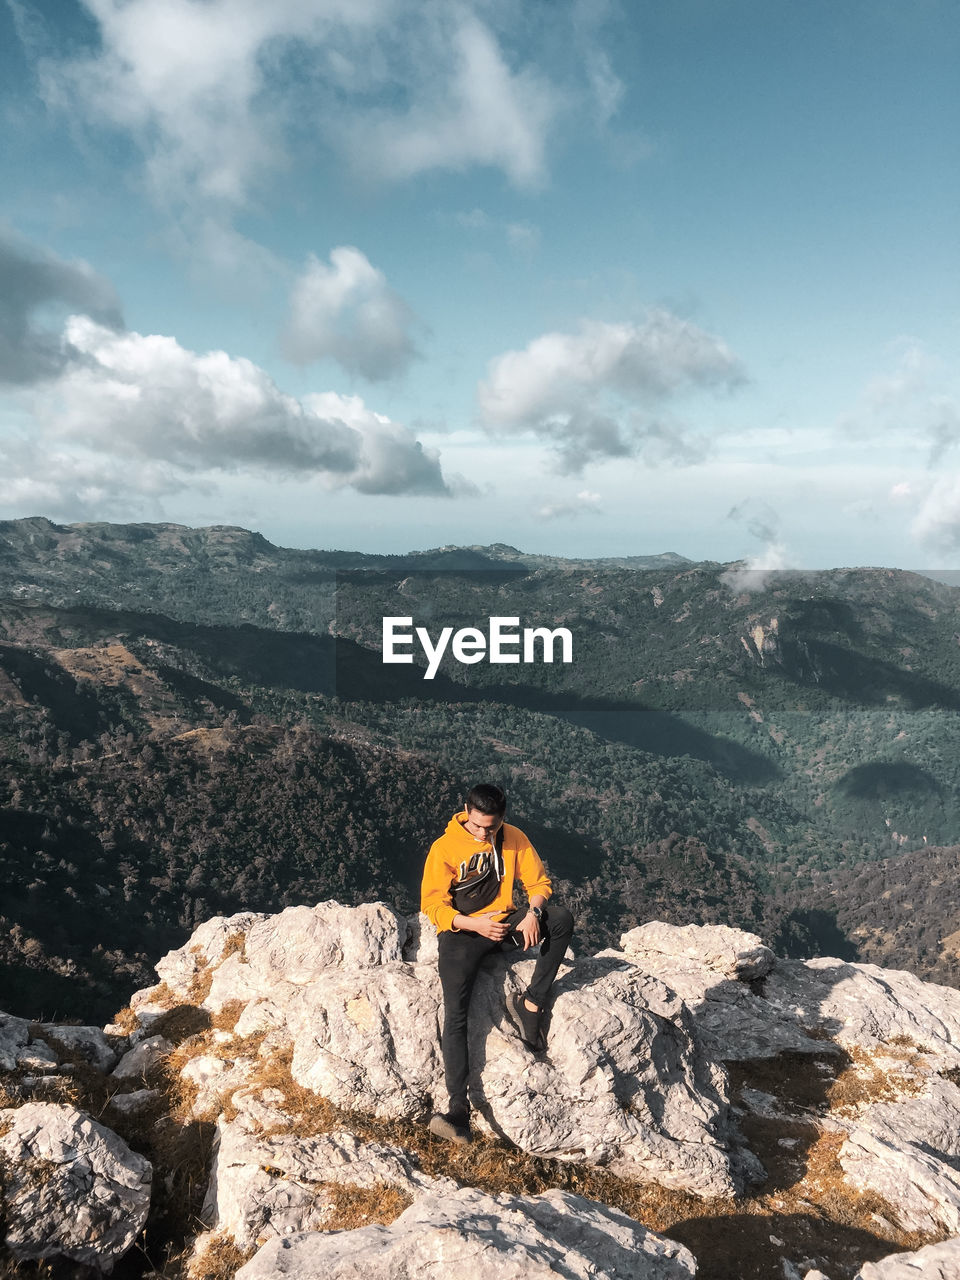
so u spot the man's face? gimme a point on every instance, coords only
(482, 826)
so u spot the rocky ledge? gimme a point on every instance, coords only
(690, 1076)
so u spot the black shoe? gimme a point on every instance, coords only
(528, 1020)
(454, 1128)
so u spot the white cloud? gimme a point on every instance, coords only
(522, 236)
(346, 311)
(188, 79)
(601, 392)
(763, 525)
(214, 91)
(585, 502)
(912, 402)
(36, 285)
(757, 572)
(608, 90)
(148, 399)
(66, 483)
(472, 110)
(937, 522)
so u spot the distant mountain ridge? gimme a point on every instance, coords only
(36, 542)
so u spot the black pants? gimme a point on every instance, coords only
(460, 956)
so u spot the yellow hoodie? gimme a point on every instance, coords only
(457, 845)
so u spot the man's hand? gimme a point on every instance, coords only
(487, 926)
(529, 929)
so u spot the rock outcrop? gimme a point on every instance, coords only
(909, 1153)
(625, 1083)
(341, 1007)
(71, 1188)
(265, 1186)
(471, 1234)
(747, 1004)
(933, 1262)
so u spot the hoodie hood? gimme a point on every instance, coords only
(457, 832)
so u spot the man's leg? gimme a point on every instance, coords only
(459, 959)
(556, 929)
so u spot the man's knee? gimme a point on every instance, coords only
(559, 921)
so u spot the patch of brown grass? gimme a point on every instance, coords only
(200, 984)
(236, 943)
(10, 1096)
(870, 1078)
(805, 1211)
(353, 1206)
(127, 1020)
(219, 1259)
(908, 1042)
(229, 1015)
(310, 1114)
(163, 995)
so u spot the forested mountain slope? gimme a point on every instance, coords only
(211, 714)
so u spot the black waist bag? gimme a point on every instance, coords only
(480, 878)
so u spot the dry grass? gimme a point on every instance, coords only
(236, 943)
(229, 1015)
(10, 1096)
(127, 1020)
(164, 996)
(806, 1210)
(872, 1077)
(353, 1206)
(219, 1259)
(200, 984)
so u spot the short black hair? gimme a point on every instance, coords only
(488, 799)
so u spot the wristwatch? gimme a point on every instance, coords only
(537, 911)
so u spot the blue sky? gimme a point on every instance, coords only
(585, 277)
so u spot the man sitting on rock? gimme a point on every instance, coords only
(467, 893)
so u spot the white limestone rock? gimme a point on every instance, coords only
(278, 953)
(37, 1056)
(732, 953)
(215, 1079)
(265, 1187)
(735, 1020)
(934, 1262)
(467, 1233)
(301, 943)
(625, 1082)
(866, 1006)
(71, 1187)
(909, 1153)
(421, 946)
(208, 945)
(799, 1005)
(127, 1104)
(369, 1038)
(85, 1044)
(14, 1035)
(137, 1062)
